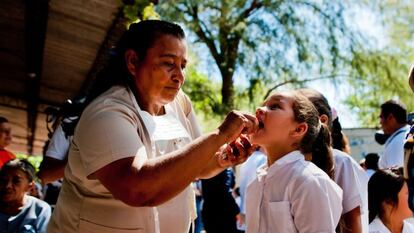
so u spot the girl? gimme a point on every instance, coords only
(291, 194)
(348, 173)
(388, 203)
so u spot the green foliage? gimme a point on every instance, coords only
(380, 74)
(275, 40)
(275, 43)
(203, 94)
(34, 160)
(140, 10)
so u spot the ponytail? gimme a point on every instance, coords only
(321, 151)
(317, 139)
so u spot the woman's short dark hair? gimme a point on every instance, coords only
(383, 186)
(21, 164)
(139, 37)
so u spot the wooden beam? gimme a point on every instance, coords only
(36, 17)
(114, 33)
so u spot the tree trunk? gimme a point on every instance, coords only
(227, 90)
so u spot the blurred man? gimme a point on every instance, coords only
(393, 120)
(5, 140)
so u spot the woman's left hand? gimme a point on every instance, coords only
(236, 152)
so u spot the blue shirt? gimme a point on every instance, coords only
(33, 218)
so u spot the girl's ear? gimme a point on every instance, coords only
(131, 59)
(300, 130)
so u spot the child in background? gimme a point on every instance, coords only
(388, 203)
(5, 140)
(348, 173)
(20, 212)
(290, 193)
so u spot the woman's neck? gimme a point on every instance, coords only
(394, 225)
(152, 109)
(12, 208)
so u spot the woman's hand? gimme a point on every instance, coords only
(238, 148)
(236, 152)
(237, 123)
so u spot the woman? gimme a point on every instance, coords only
(137, 146)
(348, 173)
(388, 203)
(20, 212)
(292, 194)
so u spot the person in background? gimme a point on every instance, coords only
(20, 212)
(5, 140)
(371, 164)
(339, 140)
(393, 120)
(53, 165)
(198, 222)
(220, 210)
(291, 194)
(388, 203)
(55, 157)
(247, 174)
(137, 146)
(241, 226)
(348, 174)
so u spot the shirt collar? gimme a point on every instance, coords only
(286, 159)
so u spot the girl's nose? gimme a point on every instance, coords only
(259, 111)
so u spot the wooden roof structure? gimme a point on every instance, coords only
(50, 50)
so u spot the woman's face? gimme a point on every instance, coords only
(276, 121)
(402, 210)
(13, 185)
(160, 75)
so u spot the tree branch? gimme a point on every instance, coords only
(203, 33)
(332, 76)
(246, 13)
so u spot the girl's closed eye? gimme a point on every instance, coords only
(273, 106)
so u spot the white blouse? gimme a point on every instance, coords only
(376, 226)
(293, 195)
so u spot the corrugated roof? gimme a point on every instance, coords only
(75, 32)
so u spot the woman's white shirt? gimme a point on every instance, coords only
(168, 134)
(293, 195)
(376, 226)
(112, 128)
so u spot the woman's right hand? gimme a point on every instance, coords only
(236, 123)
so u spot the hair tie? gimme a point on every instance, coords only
(319, 126)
